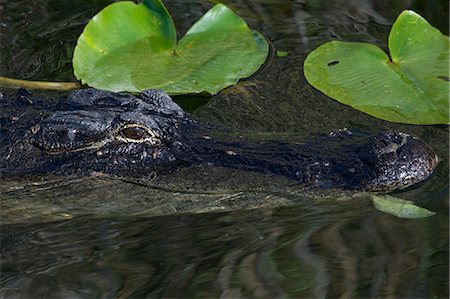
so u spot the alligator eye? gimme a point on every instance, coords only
(137, 133)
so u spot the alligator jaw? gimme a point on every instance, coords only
(384, 162)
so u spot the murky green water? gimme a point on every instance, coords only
(293, 245)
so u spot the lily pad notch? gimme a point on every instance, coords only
(411, 86)
(132, 47)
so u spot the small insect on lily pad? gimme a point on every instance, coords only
(132, 47)
(411, 86)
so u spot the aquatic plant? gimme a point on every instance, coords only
(409, 86)
(399, 207)
(132, 47)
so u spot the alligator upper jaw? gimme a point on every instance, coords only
(385, 162)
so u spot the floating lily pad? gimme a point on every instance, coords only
(399, 207)
(132, 47)
(412, 86)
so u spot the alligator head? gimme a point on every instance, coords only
(99, 131)
(118, 133)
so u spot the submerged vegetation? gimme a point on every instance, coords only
(399, 207)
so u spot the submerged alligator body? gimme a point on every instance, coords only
(94, 131)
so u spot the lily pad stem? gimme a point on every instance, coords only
(17, 83)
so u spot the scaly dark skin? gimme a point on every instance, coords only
(94, 131)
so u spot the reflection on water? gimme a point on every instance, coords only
(293, 245)
(301, 252)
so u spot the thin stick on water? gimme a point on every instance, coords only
(17, 83)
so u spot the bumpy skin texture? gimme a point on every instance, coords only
(95, 131)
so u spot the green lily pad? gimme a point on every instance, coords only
(132, 47)
(410, 87)
(399, 207)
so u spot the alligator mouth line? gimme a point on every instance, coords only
(62, 150)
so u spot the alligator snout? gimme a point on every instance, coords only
(401, 161)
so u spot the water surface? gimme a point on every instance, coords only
(277, 240)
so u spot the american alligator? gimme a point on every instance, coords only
(94, 131)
